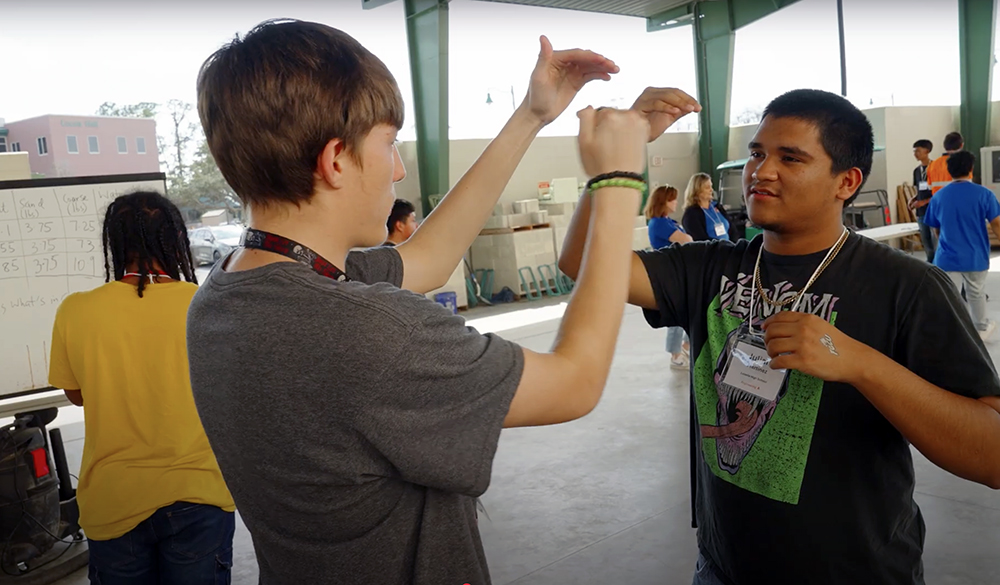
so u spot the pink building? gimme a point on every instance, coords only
(78, 146)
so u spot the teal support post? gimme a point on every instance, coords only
(714, 24)
(714, 41)
(427, 35)
(976, 25)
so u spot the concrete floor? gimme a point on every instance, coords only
(605, 499)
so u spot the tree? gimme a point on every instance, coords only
(175, 146)
(205, 188)
(183, 132)
(749, 115)
(139, 110)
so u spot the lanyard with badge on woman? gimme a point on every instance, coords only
(748, 365)
(714, 215)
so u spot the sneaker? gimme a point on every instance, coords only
(991, 326)
(680, 363)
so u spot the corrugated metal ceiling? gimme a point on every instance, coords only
(643, 8)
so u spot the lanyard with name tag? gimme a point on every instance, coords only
(749, 366)
(720, 225)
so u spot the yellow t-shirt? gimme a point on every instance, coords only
(145, 447)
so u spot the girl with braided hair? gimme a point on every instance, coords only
(152, 499)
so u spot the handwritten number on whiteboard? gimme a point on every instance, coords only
(84, 225)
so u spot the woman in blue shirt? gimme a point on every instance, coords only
(663, 232)
(701, 217)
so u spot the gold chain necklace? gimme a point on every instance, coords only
(819, 270)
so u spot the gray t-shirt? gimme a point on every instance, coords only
(354, 422)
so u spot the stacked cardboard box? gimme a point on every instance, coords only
(503, 209)
(539, 217)
(559, 208)
(640, 238)
(506, 253)
(497, 222)
(526, 206)
(519, 220)
(455, 284)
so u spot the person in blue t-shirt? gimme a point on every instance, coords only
(664, 231)
(702, 219)
(960, 212)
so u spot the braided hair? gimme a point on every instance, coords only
(143, 227)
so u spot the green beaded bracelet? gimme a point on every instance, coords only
(629, 183)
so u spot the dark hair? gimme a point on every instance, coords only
(924, 143)
(144, 227)
(960, 164)
(272, 101)
(844, 131)
(401, 209)
(953, 141)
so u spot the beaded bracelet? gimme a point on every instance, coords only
(618, 175)
(629, 183)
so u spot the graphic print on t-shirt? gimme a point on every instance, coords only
(757, 444)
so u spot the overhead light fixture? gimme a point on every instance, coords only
(670, 22)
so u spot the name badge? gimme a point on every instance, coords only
(749, 369)
(720, 229)
(924, 186)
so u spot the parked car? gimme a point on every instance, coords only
(210, 244)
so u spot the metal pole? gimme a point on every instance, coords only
(843, 49)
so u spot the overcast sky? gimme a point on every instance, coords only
(68, 57)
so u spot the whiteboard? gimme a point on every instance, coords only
(50, 246)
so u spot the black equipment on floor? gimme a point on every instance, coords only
(39, 517)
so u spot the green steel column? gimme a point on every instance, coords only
(427, 34)
(714, 42)
(976, 23)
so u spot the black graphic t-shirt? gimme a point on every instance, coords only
(815, 486)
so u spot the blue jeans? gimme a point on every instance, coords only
(181, 544)
(705, 574)
(928, 239)
(675, 339)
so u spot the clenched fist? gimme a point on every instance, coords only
(806, 343)
(612, 140)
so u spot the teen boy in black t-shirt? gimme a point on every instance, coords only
(809, 479)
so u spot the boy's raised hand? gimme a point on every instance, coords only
(662, 106)
(559, 76)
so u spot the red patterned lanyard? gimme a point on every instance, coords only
(260, 240)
